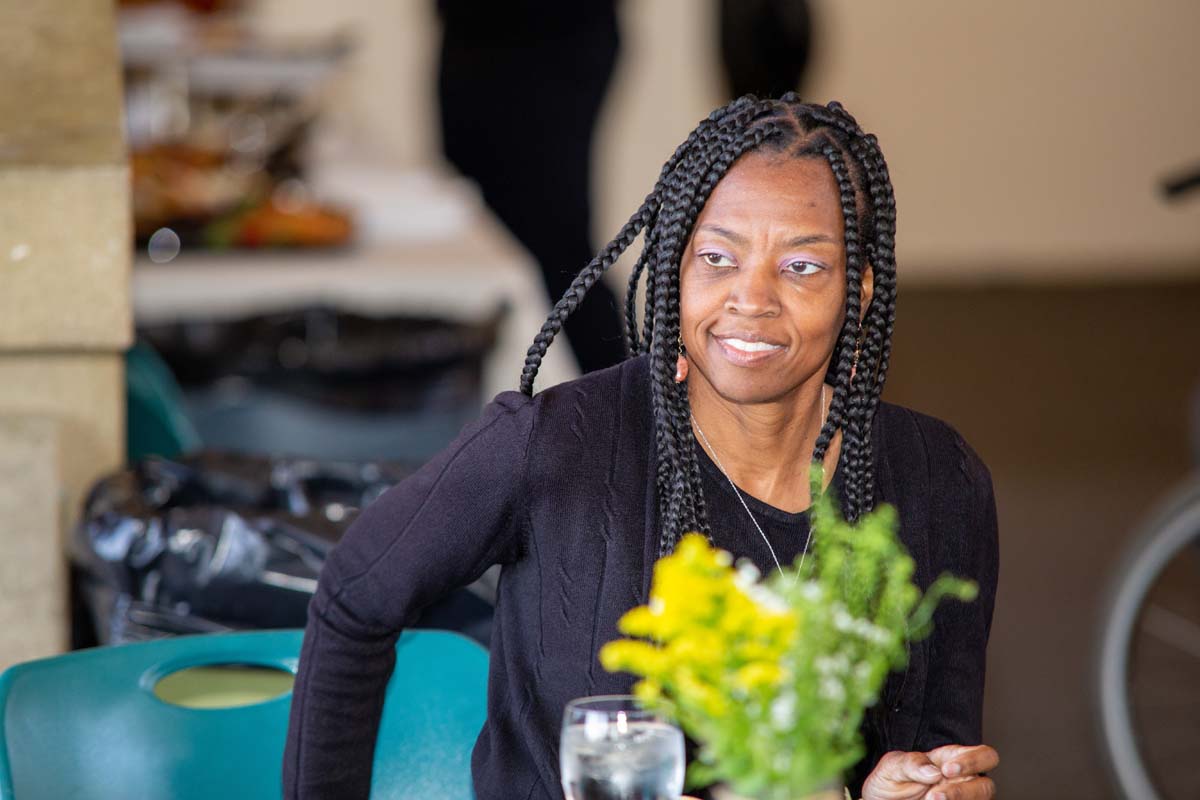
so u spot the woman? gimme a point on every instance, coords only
(770, 273)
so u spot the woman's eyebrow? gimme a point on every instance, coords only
(724, 233)
(812, 238)
(797, 241)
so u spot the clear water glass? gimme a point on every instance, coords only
(612, 749)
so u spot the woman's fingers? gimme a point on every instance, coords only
(965, 789)
(956, 759)
(910, 768)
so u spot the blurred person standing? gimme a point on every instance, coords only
(766, 45)
(520, 86)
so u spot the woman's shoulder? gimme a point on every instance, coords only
(603, 385)
(580, 417)
(580, 404)
(917, 444)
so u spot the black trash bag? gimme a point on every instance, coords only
(218, 541)
(329, 384)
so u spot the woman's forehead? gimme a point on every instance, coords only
(764, 188)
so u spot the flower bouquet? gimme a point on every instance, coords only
(771, 677)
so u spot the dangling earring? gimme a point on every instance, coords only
(857, 352)
(681, 363)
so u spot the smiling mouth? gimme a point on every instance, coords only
(747, 351)
(744, 346)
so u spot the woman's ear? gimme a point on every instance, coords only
(868, 291)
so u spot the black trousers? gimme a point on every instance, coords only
(518, 113)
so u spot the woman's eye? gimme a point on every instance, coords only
(804, 268)
(716, 260)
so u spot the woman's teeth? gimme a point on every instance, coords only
(751, 347)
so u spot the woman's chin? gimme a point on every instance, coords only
(747, 389)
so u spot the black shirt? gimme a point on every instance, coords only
(560, 489)
(733, 528)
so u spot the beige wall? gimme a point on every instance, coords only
(64, 297)
(1026, 138)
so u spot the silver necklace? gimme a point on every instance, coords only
(742, 500)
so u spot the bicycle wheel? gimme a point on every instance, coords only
(1149, 661)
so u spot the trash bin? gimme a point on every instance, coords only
(222, 541)
(328, 384)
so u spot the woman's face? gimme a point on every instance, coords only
(763, 279)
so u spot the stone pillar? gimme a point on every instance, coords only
(65, 321)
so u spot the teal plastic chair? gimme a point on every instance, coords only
(155, 420)
(89, 725)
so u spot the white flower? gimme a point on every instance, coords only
(832, 690)
(783, 711)
(766, 597)
(747, 574)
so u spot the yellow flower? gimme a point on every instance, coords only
(641, 621)
(758, 675)
(647, 691)
(630, 655)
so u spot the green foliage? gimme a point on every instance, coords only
(772, 677)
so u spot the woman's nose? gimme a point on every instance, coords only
(753, 292)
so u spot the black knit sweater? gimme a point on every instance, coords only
(560, 489)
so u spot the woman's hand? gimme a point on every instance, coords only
(951, 772)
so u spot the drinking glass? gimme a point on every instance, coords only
(612, 749)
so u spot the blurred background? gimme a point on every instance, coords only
(260, 259)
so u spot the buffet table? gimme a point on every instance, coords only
(426, 245)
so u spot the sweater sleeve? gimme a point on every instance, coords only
(964, 543)
(439, 529)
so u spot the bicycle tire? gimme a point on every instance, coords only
(1171, 526)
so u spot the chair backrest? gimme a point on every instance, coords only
(88, 724)
(155, 422)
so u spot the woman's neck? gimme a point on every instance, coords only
(765, 448)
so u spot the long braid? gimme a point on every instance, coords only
(665, 221)
(578, 288)
(844, 391)
(880, 319)
(882, 312)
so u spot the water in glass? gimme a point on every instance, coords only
(612, 750)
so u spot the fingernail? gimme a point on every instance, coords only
(953, 769)
(930, 773)
(939, 796)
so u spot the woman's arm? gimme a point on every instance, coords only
(966, 543)
(439, 529)
(948, 756)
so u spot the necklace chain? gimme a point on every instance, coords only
(742, 500)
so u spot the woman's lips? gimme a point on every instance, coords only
(748, 351)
